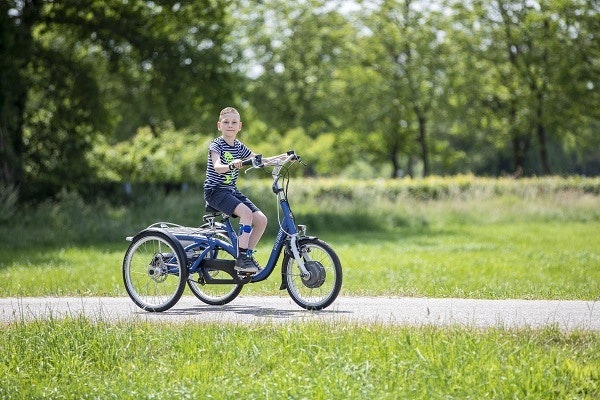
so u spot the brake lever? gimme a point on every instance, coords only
(254, 163)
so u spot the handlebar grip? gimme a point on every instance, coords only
(293, 154)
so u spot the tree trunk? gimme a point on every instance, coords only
(540, 123)
(423, 144)
(520, 144)
(393, 154)
(518, 156)
(16, 44)
(395, 165)
(541, 136)
(410, 166)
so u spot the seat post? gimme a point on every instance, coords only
(212, 215)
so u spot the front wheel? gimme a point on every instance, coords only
(320, 287)
(155, 271)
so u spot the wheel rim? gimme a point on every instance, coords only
(213, 294)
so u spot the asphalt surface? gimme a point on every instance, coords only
(563, 314)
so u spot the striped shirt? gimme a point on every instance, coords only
(228, 153)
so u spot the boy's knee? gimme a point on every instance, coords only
(259, 219)
(243, 212)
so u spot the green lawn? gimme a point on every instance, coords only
(79, 359)
(528, 259)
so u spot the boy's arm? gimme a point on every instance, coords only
(220, 167)
(269, 160)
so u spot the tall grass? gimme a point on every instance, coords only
(327, 205)
(79, 359)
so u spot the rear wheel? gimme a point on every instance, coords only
(320, 287)
(154, 271)
(215, 294)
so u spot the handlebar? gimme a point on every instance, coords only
(257, 160)
(279, 161)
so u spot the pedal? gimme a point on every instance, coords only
(245, 277)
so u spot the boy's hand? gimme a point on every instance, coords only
(237, 163)
(257, 161)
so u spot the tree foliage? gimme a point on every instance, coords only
(130, 90)
(103, 67)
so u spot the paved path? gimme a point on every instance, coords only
(564, 314)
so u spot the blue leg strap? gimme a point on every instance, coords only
(244, 229)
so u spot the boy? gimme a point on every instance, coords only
(225, 156)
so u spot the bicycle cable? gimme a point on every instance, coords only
(285, 183)
(284, 178)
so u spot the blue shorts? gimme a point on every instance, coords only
(226, 200)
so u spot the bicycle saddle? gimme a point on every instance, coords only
(213, 210)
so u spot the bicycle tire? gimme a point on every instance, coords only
(322, 286)
(155, 271)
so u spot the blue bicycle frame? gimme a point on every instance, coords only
(210, 245)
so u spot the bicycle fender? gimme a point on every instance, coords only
(168, 234)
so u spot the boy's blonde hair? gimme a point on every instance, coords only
(228, 110)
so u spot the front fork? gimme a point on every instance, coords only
(298, 256)
(296, 253)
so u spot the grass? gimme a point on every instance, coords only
(78, 359)
(464, 237)
(542, 246)
(531, 260)
(519, 260)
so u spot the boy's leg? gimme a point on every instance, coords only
(251, 232)
(259, 224)
(245, 215)
(245, 262)
(235, 203)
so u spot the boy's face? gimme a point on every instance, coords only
(229, 124)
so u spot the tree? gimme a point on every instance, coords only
(528, 66)
(16, 47)
(299, 49)
(410, 44)
(83, 68)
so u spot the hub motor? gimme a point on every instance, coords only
(316, 274)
